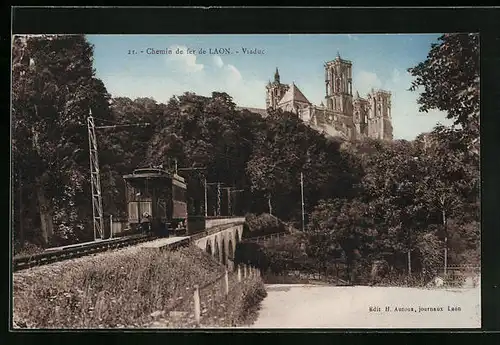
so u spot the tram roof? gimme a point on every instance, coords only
(153, 173)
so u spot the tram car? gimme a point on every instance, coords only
(156, 201)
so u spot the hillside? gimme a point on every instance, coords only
(130, 289)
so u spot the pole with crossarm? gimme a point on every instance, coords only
(230, 191)
(218, 184)
(302, 199)
(95, 179)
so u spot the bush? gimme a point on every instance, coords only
(275, 254)
(244, 302)
(430, 255)
(262, 225)
(27, 249)
(454, 280)
(252, 295)
(238, 308)
(403, 279)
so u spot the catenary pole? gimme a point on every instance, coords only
(302, 198)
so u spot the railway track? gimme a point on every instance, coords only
(79, 250)
(75, 251)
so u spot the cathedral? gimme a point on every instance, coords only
(341, 114)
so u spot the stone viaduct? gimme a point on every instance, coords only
(221, 237)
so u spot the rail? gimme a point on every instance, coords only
(27, 261)
(79, 250)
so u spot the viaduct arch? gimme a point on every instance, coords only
(222, 245)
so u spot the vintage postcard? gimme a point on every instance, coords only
(257, 181)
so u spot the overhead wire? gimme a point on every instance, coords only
(120, 124)
(106, 120)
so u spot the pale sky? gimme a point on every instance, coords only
(378, 61)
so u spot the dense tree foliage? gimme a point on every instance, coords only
(409, 195)
(258, 156)
(449, 80)
(287, 148)
(262, 225)
(53, 90)
(417, 198)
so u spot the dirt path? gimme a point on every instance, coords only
(310, 306)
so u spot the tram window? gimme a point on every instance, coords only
(179, 194)
(133, 211)
(132, 192)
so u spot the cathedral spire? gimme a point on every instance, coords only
(277, 76)
(338, 55)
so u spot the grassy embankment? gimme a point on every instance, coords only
(132, 290)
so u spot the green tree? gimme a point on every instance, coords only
(449, 188)
(284, 149)
(449, 80)
(53, 89)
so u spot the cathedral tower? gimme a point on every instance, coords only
(379, 116)
(338, 80)
(275, 91)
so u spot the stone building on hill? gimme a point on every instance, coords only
(342, 114)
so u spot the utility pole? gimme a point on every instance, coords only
(442, 201)
(445, 255)
(409, 262)
(229, 194)
(409, 252)
(218, 198)
(95, 179)
(206, 201)
(218, 184)
(302, 198)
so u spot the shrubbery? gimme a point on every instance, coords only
(242, 304)
(251, 296)
(263, 224)
(26, 249)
